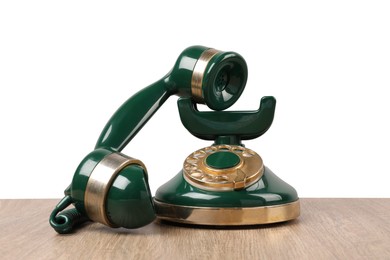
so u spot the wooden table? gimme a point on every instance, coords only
(326, 229)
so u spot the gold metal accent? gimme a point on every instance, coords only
(248, 171)
(99, 183)
(197, 75)
(227, 216)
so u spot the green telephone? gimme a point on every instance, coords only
(224, 184)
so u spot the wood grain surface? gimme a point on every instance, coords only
(326, 229)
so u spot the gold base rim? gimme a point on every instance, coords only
(216, 216)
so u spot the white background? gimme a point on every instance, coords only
(66, 66)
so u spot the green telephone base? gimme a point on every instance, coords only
(269, 200)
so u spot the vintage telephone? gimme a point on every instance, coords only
(225, 184)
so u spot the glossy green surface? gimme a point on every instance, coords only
(222, 160)
(128, 201)
(232, 126)
(224, 80)
(81, 176)
(132, 116)
(65, 220)
(62, 223)
(178, 80)
(138, 109)
(269, 190)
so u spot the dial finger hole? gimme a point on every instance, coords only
(238, 149)
(207, 178)
(197, 174)
(248, 153)
(199, 154)
(221, 178)
(224, 148)
(210, 149)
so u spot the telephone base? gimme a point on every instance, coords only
(269, 200)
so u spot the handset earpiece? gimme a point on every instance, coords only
(218, 79)
(112, 188)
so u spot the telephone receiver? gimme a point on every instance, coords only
(224, 179)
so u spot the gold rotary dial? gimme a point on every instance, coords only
(223, 168)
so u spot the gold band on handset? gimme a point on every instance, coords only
(99, 183)
(198, 73)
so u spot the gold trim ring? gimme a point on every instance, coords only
(197, 75)
(215, 216)
(99, 183)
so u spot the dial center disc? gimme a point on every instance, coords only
(222, 160)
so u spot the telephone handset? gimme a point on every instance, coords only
(223, 184)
